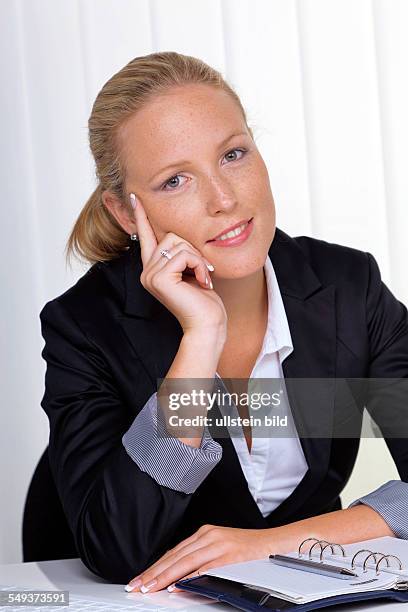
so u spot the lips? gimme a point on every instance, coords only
(229, 229)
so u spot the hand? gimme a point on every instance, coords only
(210, 546)
(190, 298)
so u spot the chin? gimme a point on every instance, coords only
(241, 268)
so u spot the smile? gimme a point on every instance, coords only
(234, 237)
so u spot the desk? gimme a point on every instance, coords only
(72, 575)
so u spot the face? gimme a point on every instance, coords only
(194, 166)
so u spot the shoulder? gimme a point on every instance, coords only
(98, 292)
(333, 262)
(307, 261)
(352, 271)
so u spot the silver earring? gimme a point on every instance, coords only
(134, 237)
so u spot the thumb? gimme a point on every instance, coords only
(173, 589)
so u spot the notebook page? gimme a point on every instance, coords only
(386, 545)
(299, 586)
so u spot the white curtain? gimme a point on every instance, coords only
(325, 87)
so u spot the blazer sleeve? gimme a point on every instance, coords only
(390, 500)
(122, 519)
(387, 325)
(165, 458)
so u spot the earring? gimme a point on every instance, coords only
(134, 237)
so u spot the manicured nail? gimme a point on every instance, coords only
(210, 267)
(133, 200)
(136, 582)
(171, 588)
(144, 588)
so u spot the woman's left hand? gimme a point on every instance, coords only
(210, 546)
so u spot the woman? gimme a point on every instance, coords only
(178, 167)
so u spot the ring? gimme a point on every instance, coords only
(166, 254)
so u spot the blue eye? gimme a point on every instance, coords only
(169, 181)
(243, 151)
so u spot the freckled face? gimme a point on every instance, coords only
(217, 176)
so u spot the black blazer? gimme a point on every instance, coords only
(107, 340)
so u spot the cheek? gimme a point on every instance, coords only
(255, 181)
(163, 217)
(177, 223)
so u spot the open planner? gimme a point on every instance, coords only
(317, 575)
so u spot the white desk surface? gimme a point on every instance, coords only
(72, 575)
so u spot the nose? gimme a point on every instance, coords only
(219, 195)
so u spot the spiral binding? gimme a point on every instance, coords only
(324, 545)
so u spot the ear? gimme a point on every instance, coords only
(120, 212)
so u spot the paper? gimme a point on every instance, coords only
(299, 586)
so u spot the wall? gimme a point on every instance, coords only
(323, 83)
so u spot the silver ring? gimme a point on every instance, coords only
(166, 254)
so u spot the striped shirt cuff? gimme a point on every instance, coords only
(169, 461)
(391, 502)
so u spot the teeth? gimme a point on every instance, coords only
(233, 233)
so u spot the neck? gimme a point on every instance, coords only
(245, 300)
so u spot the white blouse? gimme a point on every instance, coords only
(276, 464)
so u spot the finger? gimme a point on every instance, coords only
(172, 552)
(169, 559)
(175, 550)
(152, 568)
(204, 529)
(215, 563)
(183, 566)
(150, 571)
(178, 240)
(171, 555)
(147, 237)
(172, 587)
(174, 242)
(201, 273)
(177, 265)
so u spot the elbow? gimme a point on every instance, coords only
(111, 552)
(117, 564)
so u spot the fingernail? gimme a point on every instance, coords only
(206, 280)
(210, 267)
(171, 588)
(136, 582)
(211, 285)
(144, 588)
(133, 200)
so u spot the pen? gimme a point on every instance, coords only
(313, 566)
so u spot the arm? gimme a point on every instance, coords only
(387, 324)
(342, 527)
(384, 511)
(121, 518)
(213, 546)
(182, 463)
(168, 460)
(390, 501)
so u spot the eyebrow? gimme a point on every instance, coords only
(184, 162)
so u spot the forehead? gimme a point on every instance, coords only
(172, 125)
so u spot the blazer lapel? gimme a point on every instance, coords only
(155, 335)
(153, 331)
(311, 314)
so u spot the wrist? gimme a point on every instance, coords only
(210, 337)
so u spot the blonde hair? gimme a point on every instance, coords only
(96, 235)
